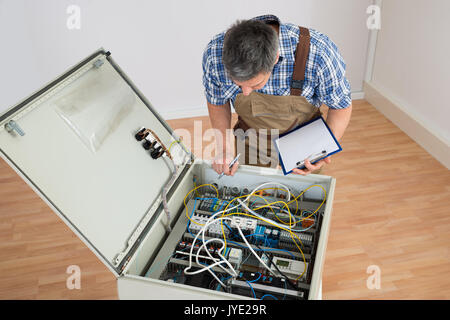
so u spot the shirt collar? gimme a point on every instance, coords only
(285, 44)
(267, 18)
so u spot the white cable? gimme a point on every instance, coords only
(219, 252)
(207, 269)
(269, 220)
(287, 212)
(217, 263)
(294, 220)
(202, 231)
(269, 183)
(224, 260)
(209, 221)
(243, 237)
(253, 251)
(165, 191)
(261, 217)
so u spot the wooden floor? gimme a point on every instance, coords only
(391, 209)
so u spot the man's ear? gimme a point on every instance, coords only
(278, 57)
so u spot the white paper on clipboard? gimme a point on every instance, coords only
(308, 141)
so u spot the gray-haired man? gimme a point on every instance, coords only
(276, 76)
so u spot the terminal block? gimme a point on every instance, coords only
(247, 225)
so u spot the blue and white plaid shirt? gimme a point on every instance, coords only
(325, 81)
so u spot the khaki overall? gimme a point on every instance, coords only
(263, 112)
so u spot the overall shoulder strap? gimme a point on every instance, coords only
(301, 56)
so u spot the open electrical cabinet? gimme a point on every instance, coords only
(74, 142)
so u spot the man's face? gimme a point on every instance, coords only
(253, 84)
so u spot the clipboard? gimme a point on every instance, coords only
(313, 140)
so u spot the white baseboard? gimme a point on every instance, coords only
(184, 113)
(399, 114)
(203, 111)
(357, 95)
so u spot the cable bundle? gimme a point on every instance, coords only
(226, 215)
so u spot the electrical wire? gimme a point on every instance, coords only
(165, 191)
(293, 224)
(268, 295)
(272, 249)
(251, 287)
(271, 256)
(160, 142)
(245, 260)
(269, 204)
(253, 251)
(255, 215)
(293, 236)
(259, 277)
(213, 216)
(189, 222)
(272, 188)
(267, 219)
(208, 267)
(270, 220)
(321, 204)
(173, 142)
(247, 197)
(283, 275)
(217, 262)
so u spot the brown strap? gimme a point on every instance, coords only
(301, 56)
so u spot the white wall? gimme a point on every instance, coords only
(412, 61)
(159, 44)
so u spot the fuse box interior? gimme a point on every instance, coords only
(250, 235)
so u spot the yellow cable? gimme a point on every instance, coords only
(267, 204)
(290, 232)
(253, 194)
(256, 195)
(259, 190)
(270, 204)
(185, 205)
(323, 201)
(173, 142)
(293, 235)
(285, 205)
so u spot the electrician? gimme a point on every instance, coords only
(276, 76)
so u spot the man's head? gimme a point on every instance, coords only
(250, 50)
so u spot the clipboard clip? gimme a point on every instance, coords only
(312, 157)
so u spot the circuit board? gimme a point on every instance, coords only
(269, 242)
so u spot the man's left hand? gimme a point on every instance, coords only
(311, 167)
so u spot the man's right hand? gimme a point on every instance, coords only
(221, 164)
(220, 117)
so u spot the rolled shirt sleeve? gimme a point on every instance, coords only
(332, 88)
(213, 89)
